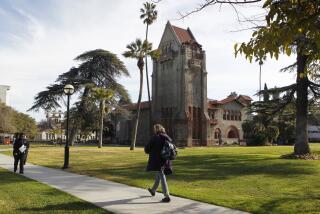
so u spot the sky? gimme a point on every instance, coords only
(40, 38)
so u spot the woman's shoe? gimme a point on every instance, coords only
(151, 192)
(166, 199)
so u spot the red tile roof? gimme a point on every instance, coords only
(242, 99)
(183, 35)
(246, 97)
(228, 100)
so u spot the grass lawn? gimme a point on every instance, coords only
(5, 146)
(252, 179)
(21, 195)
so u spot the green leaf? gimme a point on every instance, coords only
(235, 47)
(288, 50)
(266, 4)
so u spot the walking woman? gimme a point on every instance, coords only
(19, 150)
(156, 163)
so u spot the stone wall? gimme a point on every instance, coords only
(124, 128)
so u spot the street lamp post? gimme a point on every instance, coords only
(68, 90)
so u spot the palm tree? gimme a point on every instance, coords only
(138, 50)
(149, 15)
(260, 60)
(102, 95)
(260, 65)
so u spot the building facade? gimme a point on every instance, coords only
(3, 93)
(179, 87)
(53, 129)
(179, 96)
(226, 117)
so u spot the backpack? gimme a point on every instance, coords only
(169, 150)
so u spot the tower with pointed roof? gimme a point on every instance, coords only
(179, 87)
(179, 99)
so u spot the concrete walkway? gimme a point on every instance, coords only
(3, 150)
(114, 197)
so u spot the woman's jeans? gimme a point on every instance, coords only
(161, 177)
(19, 158)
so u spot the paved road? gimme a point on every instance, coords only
(115, 197)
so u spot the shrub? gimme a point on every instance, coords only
(258, 139)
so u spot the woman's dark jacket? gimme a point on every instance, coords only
(17, 144)
(153, 148)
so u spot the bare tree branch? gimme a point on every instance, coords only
(207, 3)
(315, 92)
(290, 68)
(312, 84)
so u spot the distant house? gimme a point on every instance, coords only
(314, 133)
(226, 117)
(52, 130)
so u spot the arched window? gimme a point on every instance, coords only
(233, 132)
(217, 134)
(228, 114)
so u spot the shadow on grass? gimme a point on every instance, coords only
(291, 205)
(215, 167)
(220, 167)
(71, 206)
(7, 177)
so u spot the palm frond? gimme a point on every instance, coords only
(148, 13)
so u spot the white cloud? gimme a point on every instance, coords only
(72, 27)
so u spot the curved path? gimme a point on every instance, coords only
(114, 197)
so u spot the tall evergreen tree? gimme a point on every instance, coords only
(99, 68)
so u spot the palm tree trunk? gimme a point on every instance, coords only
(260, 64)
(148, 87)
(101, 123)
(136, 123)
(301, 145)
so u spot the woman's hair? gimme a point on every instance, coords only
(158, 128)
(21, 135)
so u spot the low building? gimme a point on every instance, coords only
(3, 93)
(314, 133)
(226, 117)
(225, 123)
(52, 129)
